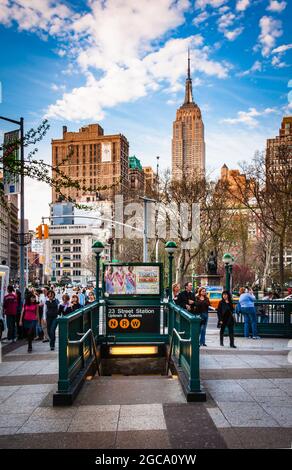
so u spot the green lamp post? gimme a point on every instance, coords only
(97, 248)
(228, 261)
(170, 248)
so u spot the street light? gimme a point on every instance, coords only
(97, 248)
(228, 261)
(170, 248)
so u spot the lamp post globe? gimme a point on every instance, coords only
(97, 248)
(170, 248)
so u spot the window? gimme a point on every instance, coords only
(76, 256)
(66, 265)
(66, 250)
(66, 242)
(76, 265)
(76, 273)
(56, 242)
(76, 249)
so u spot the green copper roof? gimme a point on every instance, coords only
(134, 163)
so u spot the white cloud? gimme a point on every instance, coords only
(202, 4)
(281, 49)
(224, 22)
(270, 30)
(256, 67)
(242, 5)
(201, 18)
(55, 87)
(232, 35)
(276, 6)
(248, 117)
(276, 62)
(168, 64)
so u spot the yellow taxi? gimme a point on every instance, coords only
(215, 295)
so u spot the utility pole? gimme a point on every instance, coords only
(157, 196)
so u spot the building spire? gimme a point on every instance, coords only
(189, 87)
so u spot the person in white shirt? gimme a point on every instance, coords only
(43, 314)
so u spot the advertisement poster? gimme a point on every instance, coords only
(132, 280)
(106, 152)
(11, 181)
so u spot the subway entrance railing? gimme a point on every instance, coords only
(129, 330)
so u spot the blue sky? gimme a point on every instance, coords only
(122, 63)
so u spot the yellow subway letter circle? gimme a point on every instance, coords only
(124, 323)
(135, 323)
(113, 323)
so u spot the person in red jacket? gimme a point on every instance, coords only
(10, 310)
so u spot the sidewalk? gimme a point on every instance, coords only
(249, 403)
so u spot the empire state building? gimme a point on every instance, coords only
(188, 145)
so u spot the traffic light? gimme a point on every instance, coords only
(39, 232)
(46, 231)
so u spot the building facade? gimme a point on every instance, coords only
(188, 145)
(93, 159)
(279, 150)
(68, 253)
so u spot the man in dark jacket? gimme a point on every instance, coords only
(186, 299)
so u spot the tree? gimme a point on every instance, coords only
(268, 195)
(38, 169)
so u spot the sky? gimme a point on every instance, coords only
(123, 63)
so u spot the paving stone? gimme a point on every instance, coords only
(56, 412)
(191, 427)
(7, 408)
(13, 420)
(142, 440)
(246, 414)
(33, 389)
(89, 423)
(8, 431)
(154, 409)
(218, 418)
(57, 440)
(231, 396)
(282, 414)
(39, 425)
(258, 438)
(141, 423)
(98, 409)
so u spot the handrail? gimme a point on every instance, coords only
(181, 340)
(81, 340)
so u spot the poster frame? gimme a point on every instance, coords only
(133, 296)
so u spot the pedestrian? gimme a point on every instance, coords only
(75, 305)
(226, 318)
(247, 307)
(65, 307)
(202, 308)
(81, 298)
(90, 298)
(186, 299)
(43, 297)
(10, 311)
(264, 310)
(30, 318)
(51, 317)
(175, 292)
(20, 334)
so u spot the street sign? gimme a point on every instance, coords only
(11, 180)
(120, 319)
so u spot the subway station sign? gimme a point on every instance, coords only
(133, 319)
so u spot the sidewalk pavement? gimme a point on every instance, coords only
(249, 402)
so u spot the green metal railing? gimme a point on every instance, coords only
(274, 318)
(183, 331)
(75, 354)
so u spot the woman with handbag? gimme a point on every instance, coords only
(226, 318)
(202, 308)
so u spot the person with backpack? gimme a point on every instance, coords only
(50, 315)
(30, 318)
(10, 310)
